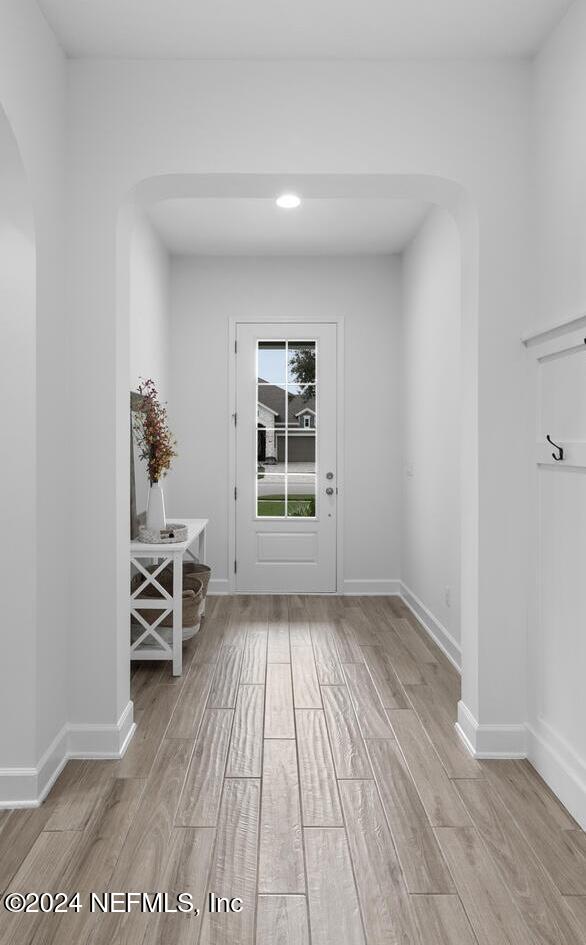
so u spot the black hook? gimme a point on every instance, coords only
(560, 449)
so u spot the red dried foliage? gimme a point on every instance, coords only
(153, 436)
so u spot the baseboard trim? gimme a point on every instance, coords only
(436, 630)
(219, 586)
(559, 766)
(490, 741)
(28, 787)
(371, 587)
(89, 740)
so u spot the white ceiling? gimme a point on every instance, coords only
(252, 227)
(302, 29)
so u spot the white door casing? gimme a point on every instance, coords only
(286, 451)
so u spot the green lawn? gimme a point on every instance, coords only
(299, 505)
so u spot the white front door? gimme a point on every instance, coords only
(286, 458)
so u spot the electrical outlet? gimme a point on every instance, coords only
(448, 596)
(409, 470)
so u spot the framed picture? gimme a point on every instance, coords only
(138, 473)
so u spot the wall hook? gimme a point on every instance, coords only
(560, 450)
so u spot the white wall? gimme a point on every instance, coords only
(559, 150)
(432, 312)
(149, 307)
(556, 636)
(205, 293)
(33, 689)
(148, 289)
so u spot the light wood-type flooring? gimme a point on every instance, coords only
(305, 763)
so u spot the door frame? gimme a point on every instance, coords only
(305, 320)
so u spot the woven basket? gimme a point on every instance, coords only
(192, 572)
(192, 599)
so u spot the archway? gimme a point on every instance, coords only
(441, 192)
(18, 496)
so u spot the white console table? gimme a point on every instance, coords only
(151, 643)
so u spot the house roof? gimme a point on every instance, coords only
(273, 397)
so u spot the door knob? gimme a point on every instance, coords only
(329, 491)
(329, 475)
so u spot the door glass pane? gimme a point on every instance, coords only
(301, 452)
(301, 496)
(301, 362)
(271, 362)
(271, 493)
(286, 428)
(271, 423)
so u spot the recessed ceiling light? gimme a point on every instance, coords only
(288, 201)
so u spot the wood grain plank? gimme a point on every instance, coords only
(237, 620)
(320, 802)
(143, 855)
(282, 920)
(578, 839)
(348, 750)
(144, 677)
(577, 906)
(386, 682)
(112, 816)
(327, 664)
(533, 790)
(225, 684)
(18, 831)
(334, 912)
(156, 711)
(245, 755)
(281, 843)
(298, 621)
(200, 798)
(441, 920)
(446, 681)
(400, 658)
(254, 660)
(79, 787)
(41, 871)
(538, 818)
(535, 895)
(440, 799)
(439, 725)
(278, 643)
(369, 711)
(234, 866)
(91, 862)
(211, 635)
(381, 889)
(306, 694)
(186, 871)
(422, 652)
(490, 909)
(279, 719)
(191, 703)
(138, 759)
(361, 624)
(424, 868)
(346, 643)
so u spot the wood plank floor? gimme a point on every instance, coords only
(306, 764)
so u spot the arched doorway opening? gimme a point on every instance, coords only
(18, 496)
(437, 191)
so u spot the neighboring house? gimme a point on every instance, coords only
(278, 412)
